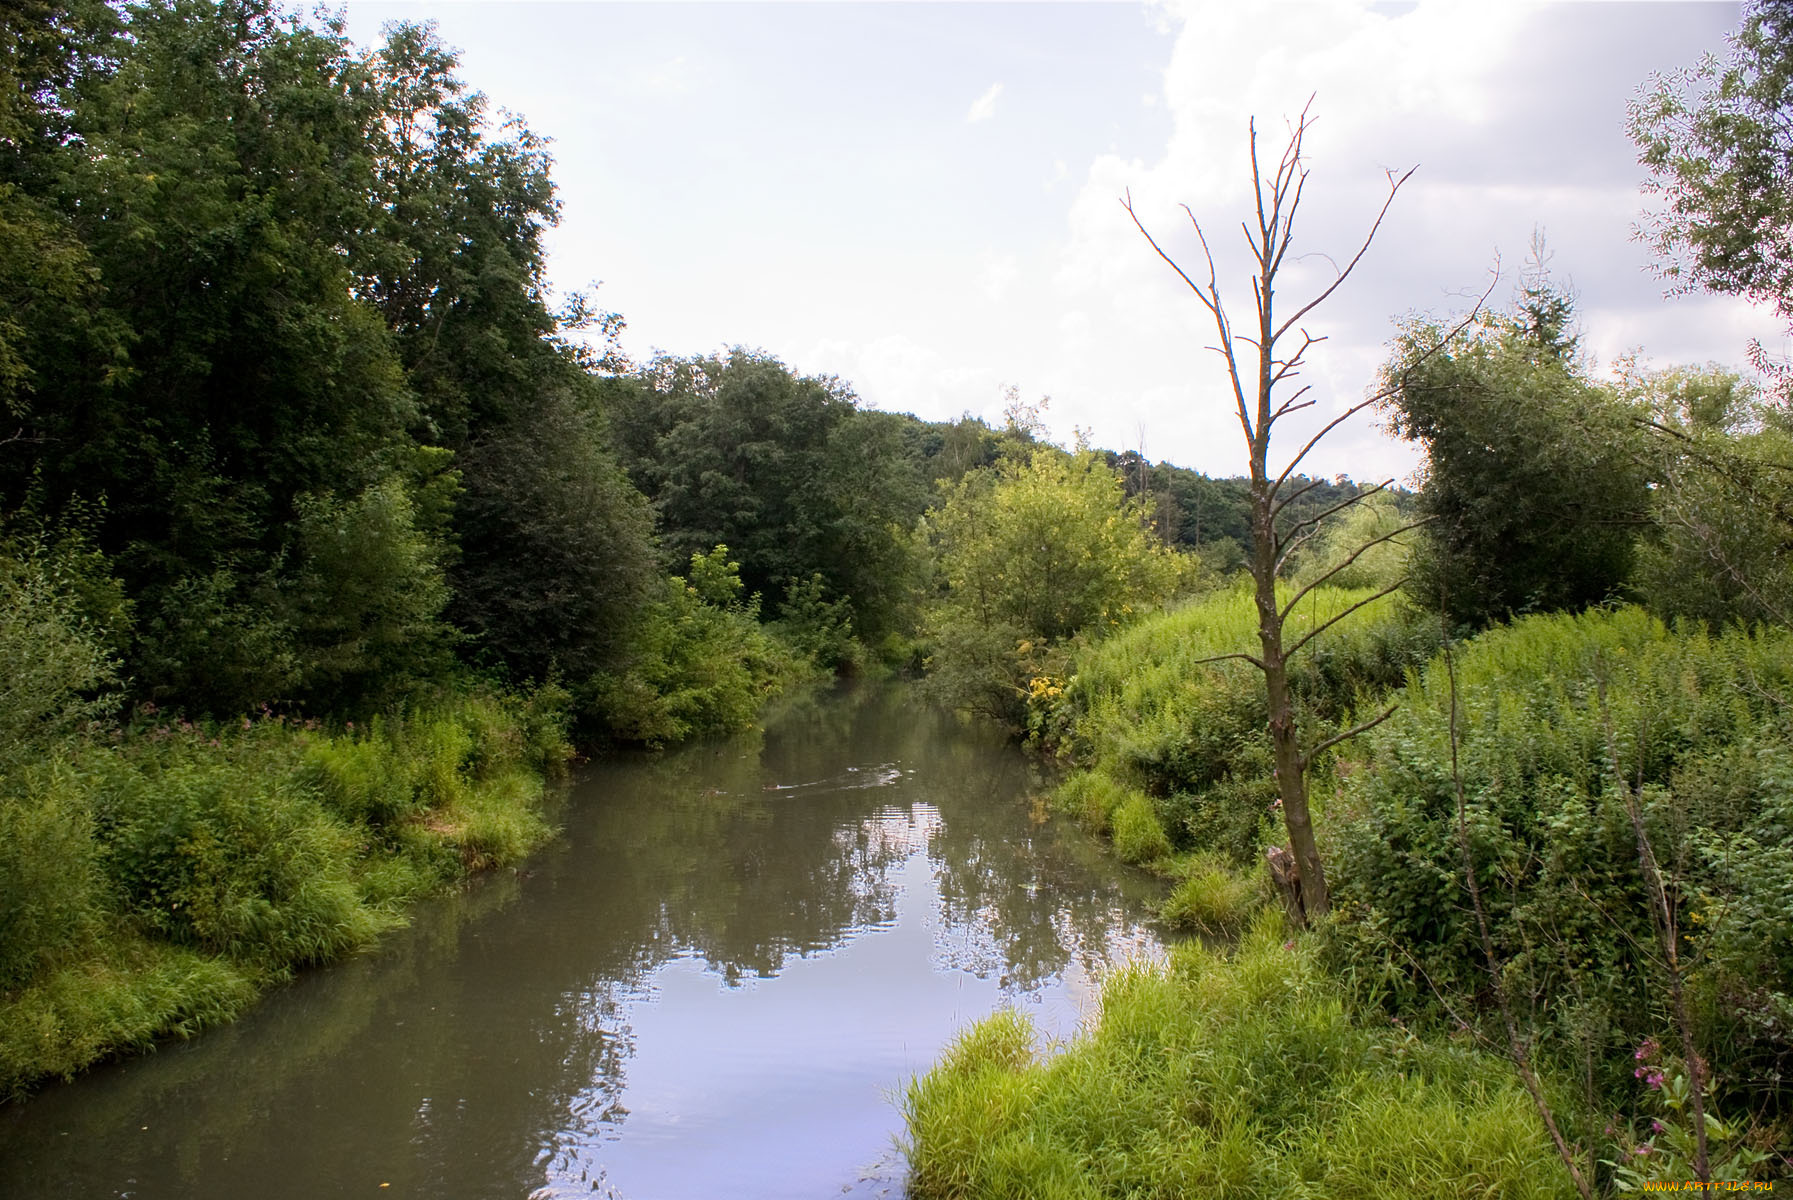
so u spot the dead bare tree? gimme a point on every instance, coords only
(1260, 406)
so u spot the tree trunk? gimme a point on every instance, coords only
(1291, 779)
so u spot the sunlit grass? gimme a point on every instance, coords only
(1238, 1074)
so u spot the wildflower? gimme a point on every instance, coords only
(1658, 1126)
(1647, 1050)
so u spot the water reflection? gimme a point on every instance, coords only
(708, 986)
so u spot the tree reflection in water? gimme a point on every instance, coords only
(715, 976)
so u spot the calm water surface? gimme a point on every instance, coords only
(714, 984)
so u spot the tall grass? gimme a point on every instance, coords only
(1237, 1073)
(1153, 710)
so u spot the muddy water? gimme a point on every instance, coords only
(714, 984)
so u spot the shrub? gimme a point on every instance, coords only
(1701, 731)
(226, 858)
(48, 874)
(697, 669)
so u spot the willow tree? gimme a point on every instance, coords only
(1262, 364)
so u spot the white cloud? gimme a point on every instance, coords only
(1512, 127)
(984, 107)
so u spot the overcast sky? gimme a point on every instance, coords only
(923, 199)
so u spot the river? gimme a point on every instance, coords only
(715, 983)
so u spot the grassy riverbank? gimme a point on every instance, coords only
(159, 879)
(1241, 1073)
(1373, 1055)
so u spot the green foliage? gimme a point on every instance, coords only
(1339, 550)
(784, 469)
(555, 554)
(155, 883)
(1533, 485)
(1715, 139)
(1701, 731)
(1234, 1073)
(1027, 555)
(1152, 710)
(1050, 547)
(219, 857)
(817, 628)
(1721, 549)
(130, 994)
(367, 598)
(694, 669)
(56, 673)
(48, 871)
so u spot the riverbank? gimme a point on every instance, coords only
(1239, 1072)
(1617, 786)
(716, 971)
(160, 879)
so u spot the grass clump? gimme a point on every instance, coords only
(1240, 1074)
(1138, 838)
(1213, 896)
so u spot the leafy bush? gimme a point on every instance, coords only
(225, 858)
(56, 673)
(54, 893)
(1028, 554)
(1702, 731)
(697, 667)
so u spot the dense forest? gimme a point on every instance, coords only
(329, 532)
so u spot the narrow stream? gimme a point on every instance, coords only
(715, 983)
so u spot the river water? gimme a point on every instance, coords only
(715, 983)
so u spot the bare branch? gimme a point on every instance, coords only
(1348, 560)
(1361, 727)
(1394, 186)
(1253, 659)
(1298, 493)
(1328, 428)
(1210, 298)
(1329, 622)
(1294, 403)
(1399, 383)
(1321, 516)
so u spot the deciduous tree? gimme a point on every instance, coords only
(1718, 140)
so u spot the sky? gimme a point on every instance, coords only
(924, 199)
